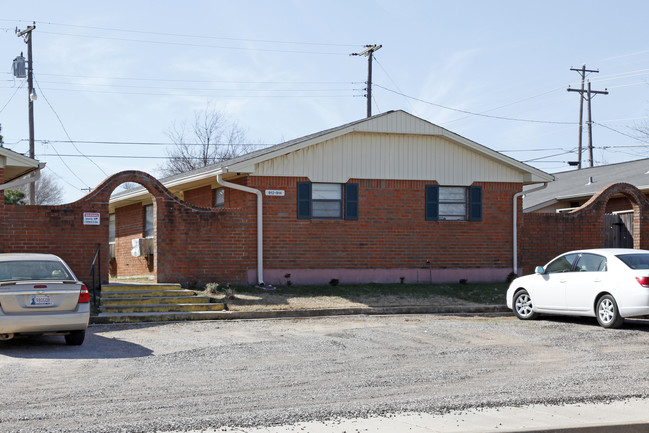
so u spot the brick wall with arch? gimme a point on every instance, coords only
(544, 236)
(191, 242)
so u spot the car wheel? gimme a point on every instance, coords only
(75, 338)
(523, 306)
(608, 314)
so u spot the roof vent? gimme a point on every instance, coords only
(590, 180)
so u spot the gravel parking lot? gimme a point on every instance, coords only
(194, 375)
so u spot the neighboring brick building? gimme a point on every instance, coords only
(602, 206)
(571, 189)
(13, 167)
(385, 199)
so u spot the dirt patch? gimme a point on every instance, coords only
(272, 300)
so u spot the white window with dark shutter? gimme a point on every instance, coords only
(453, 203)
(327, 201)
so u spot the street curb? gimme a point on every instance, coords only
(626, 428)
(322, 312)
(369, 311)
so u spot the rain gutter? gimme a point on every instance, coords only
(260, 225)
(29, 177)
(516, 196)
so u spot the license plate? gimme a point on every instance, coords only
(40, 300)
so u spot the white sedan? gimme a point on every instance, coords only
(39, 294)
(609, 284)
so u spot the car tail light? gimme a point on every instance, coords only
(84, 296)
(644, 281)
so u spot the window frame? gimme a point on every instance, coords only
(338, 200)
(148, 230)
(349, 201)
(218, 190)
(473, 203)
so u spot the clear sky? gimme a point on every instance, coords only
(113, 76)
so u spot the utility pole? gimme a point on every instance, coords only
(369, 53)
(27, 35)
(589, 95)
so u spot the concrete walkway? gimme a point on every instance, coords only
(630, 416)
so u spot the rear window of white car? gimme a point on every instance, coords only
(635, 261)
(29, 270)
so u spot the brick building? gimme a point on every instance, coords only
(604, 206)
(384, 199)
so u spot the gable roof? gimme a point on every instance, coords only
(584, 183)
(391, 122)
(16, 165)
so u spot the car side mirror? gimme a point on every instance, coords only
(539, 270)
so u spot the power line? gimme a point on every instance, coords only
(131, 143)
(65, 130)
(473, 113)
(185, 44)
(189, 36)
(22, 83)
(621, 133)
(508, 104)
(202, 89)
(121, 157)
(195, 81)
(204, 92)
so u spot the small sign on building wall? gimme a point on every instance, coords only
(91, 218)
(275, 192)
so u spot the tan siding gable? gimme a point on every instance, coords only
(389, 156)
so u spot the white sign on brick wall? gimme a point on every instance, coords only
(275, 192)
(91, 218)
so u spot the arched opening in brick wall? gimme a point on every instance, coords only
(620, 199)
(73, 231)
(545, 235)
(619, 224)
(133, 252)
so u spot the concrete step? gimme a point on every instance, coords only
(146, 294)
(155, 300)
(149, 302)
(158, 317)
(161, 308)
(109, 288)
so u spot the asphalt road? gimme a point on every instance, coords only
(196, 375)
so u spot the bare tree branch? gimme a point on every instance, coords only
(213, 139)
(48, 191)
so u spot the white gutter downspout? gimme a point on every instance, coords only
(30, 177)
(260, 225)
(516, 196)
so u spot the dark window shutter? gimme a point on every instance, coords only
(475, 203)
(432, 202)
(304, 200)
(351, 201)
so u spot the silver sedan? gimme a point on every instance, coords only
(609, 284)
(39, 294)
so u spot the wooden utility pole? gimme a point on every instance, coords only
(369, 53)
(589, 94)
(27, 33)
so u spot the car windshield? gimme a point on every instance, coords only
(635, 261)
(29, 270)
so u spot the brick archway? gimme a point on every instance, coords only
(187, 251)
(639, 203)
(546, 235)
